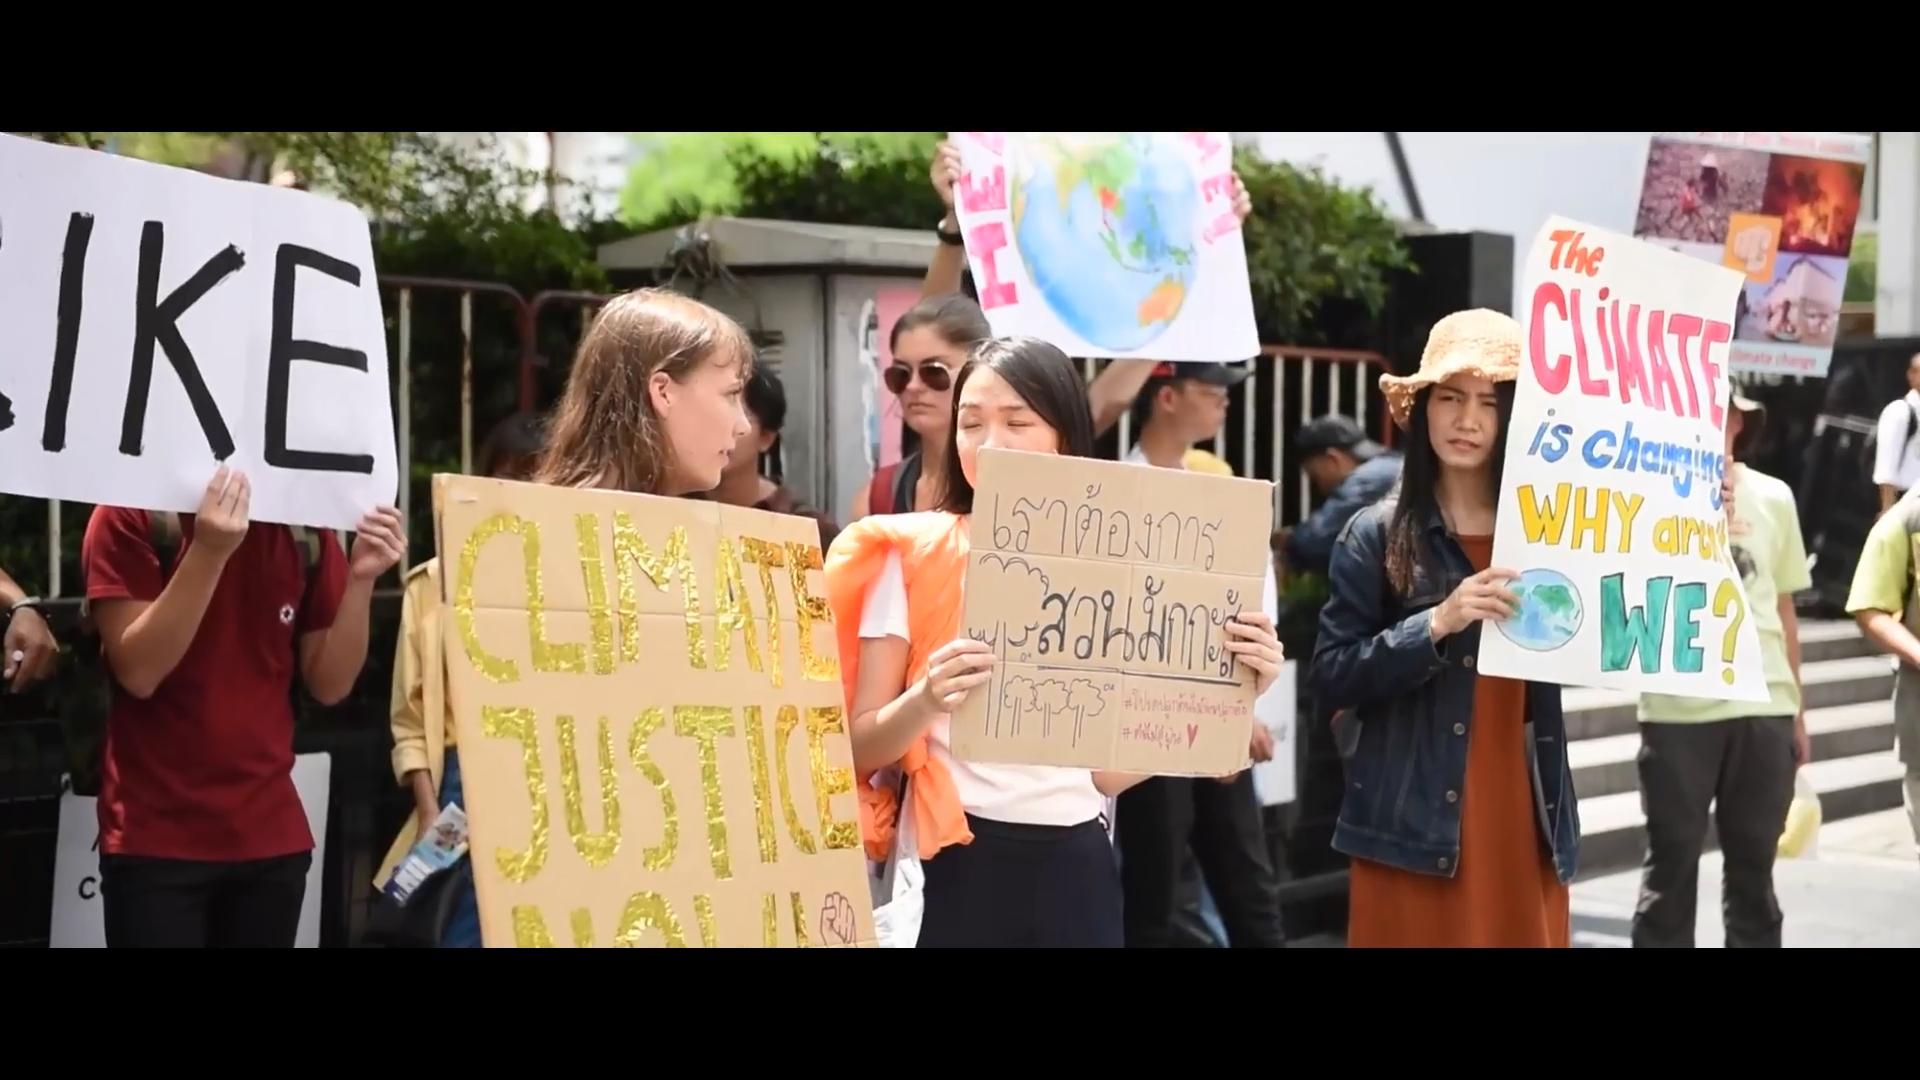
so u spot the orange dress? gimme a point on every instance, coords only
(1504, 893)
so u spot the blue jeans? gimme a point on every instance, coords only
(463, 924)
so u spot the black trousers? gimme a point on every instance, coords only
(1023, 887)
(182, 904)
(1744, 768)
(1161, 820)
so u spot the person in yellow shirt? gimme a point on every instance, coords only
(425, 760)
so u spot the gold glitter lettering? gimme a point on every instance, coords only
(731, 611)
(787, 719)
(829, 781)
(648, 911)
(769, 922)
(629, 551)
(703, 913)
(597, 848)
(497, 722)
(768, 556)
(762, 785)
(810, 609)
(586, 528)
(650, 721)
(530, 928)
(704, 724)
(800, 923)
(495, 668)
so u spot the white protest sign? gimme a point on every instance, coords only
(155, 322)
(1610, 502)
(78, 922)
(1108, 243)
(1276, 781)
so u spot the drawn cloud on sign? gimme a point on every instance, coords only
(1018, 587)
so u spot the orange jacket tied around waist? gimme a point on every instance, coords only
(933, 557)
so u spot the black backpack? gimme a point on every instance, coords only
(83, 713)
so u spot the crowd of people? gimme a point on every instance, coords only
(1458, 812)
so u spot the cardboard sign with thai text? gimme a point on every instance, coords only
(652, 732)
(1105, 589)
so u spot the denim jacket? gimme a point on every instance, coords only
(1410, 709)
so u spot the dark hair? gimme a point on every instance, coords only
(519, 438)
(1046, 379)
(767, 400)
(958, 321)
(1418, 500)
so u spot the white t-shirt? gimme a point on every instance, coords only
(1022, 794)
(1897, 456)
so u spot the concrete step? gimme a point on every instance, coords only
(1832, 639)
(1613, 831)
(1607, 766)
(1595, 714)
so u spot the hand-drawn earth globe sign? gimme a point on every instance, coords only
(1107, 226)
(1550, 611)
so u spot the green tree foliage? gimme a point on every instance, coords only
(1312, 243)
(830, 177)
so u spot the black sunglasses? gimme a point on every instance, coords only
(935, 375)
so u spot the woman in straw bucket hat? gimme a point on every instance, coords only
(1459, 812)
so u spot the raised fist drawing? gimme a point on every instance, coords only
(837, 922)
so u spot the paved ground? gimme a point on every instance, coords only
(1863, 891)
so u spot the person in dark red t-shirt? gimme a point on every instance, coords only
(203, 840)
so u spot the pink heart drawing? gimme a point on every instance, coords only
(1193, 732)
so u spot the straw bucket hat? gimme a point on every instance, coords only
(1479, 342)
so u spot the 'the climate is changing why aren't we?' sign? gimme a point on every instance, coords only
(1610, 506)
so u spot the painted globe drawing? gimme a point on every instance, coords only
(1108, 227)
(1550, 611)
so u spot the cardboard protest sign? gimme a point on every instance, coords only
(1104, 590)
(653, 738)
(1610, 502)
(157, 322)
(1780, 207)
(1108, 243)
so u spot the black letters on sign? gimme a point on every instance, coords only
(155, 322)
(286, 349)
(73, 275)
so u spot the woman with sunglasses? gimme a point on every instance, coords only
(929, 343)
(1015, 856)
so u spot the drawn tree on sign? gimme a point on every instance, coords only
(1085, 699)
(1051, 696)
(1017, 694)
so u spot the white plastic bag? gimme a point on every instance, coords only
(1800, 839)
(896, 919)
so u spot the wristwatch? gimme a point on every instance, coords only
(31, 603)
(946, 237)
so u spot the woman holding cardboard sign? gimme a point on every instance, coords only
(1459, 810)
(654, 404)
(1014, 855)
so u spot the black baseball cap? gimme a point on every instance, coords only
(1221, 375)
(1335, 432)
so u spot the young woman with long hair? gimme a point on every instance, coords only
(1459, 811)
(929, 344)
(1014, 855)
(653, 405)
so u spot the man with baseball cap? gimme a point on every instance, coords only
(1350, 471)
(1735, 758)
